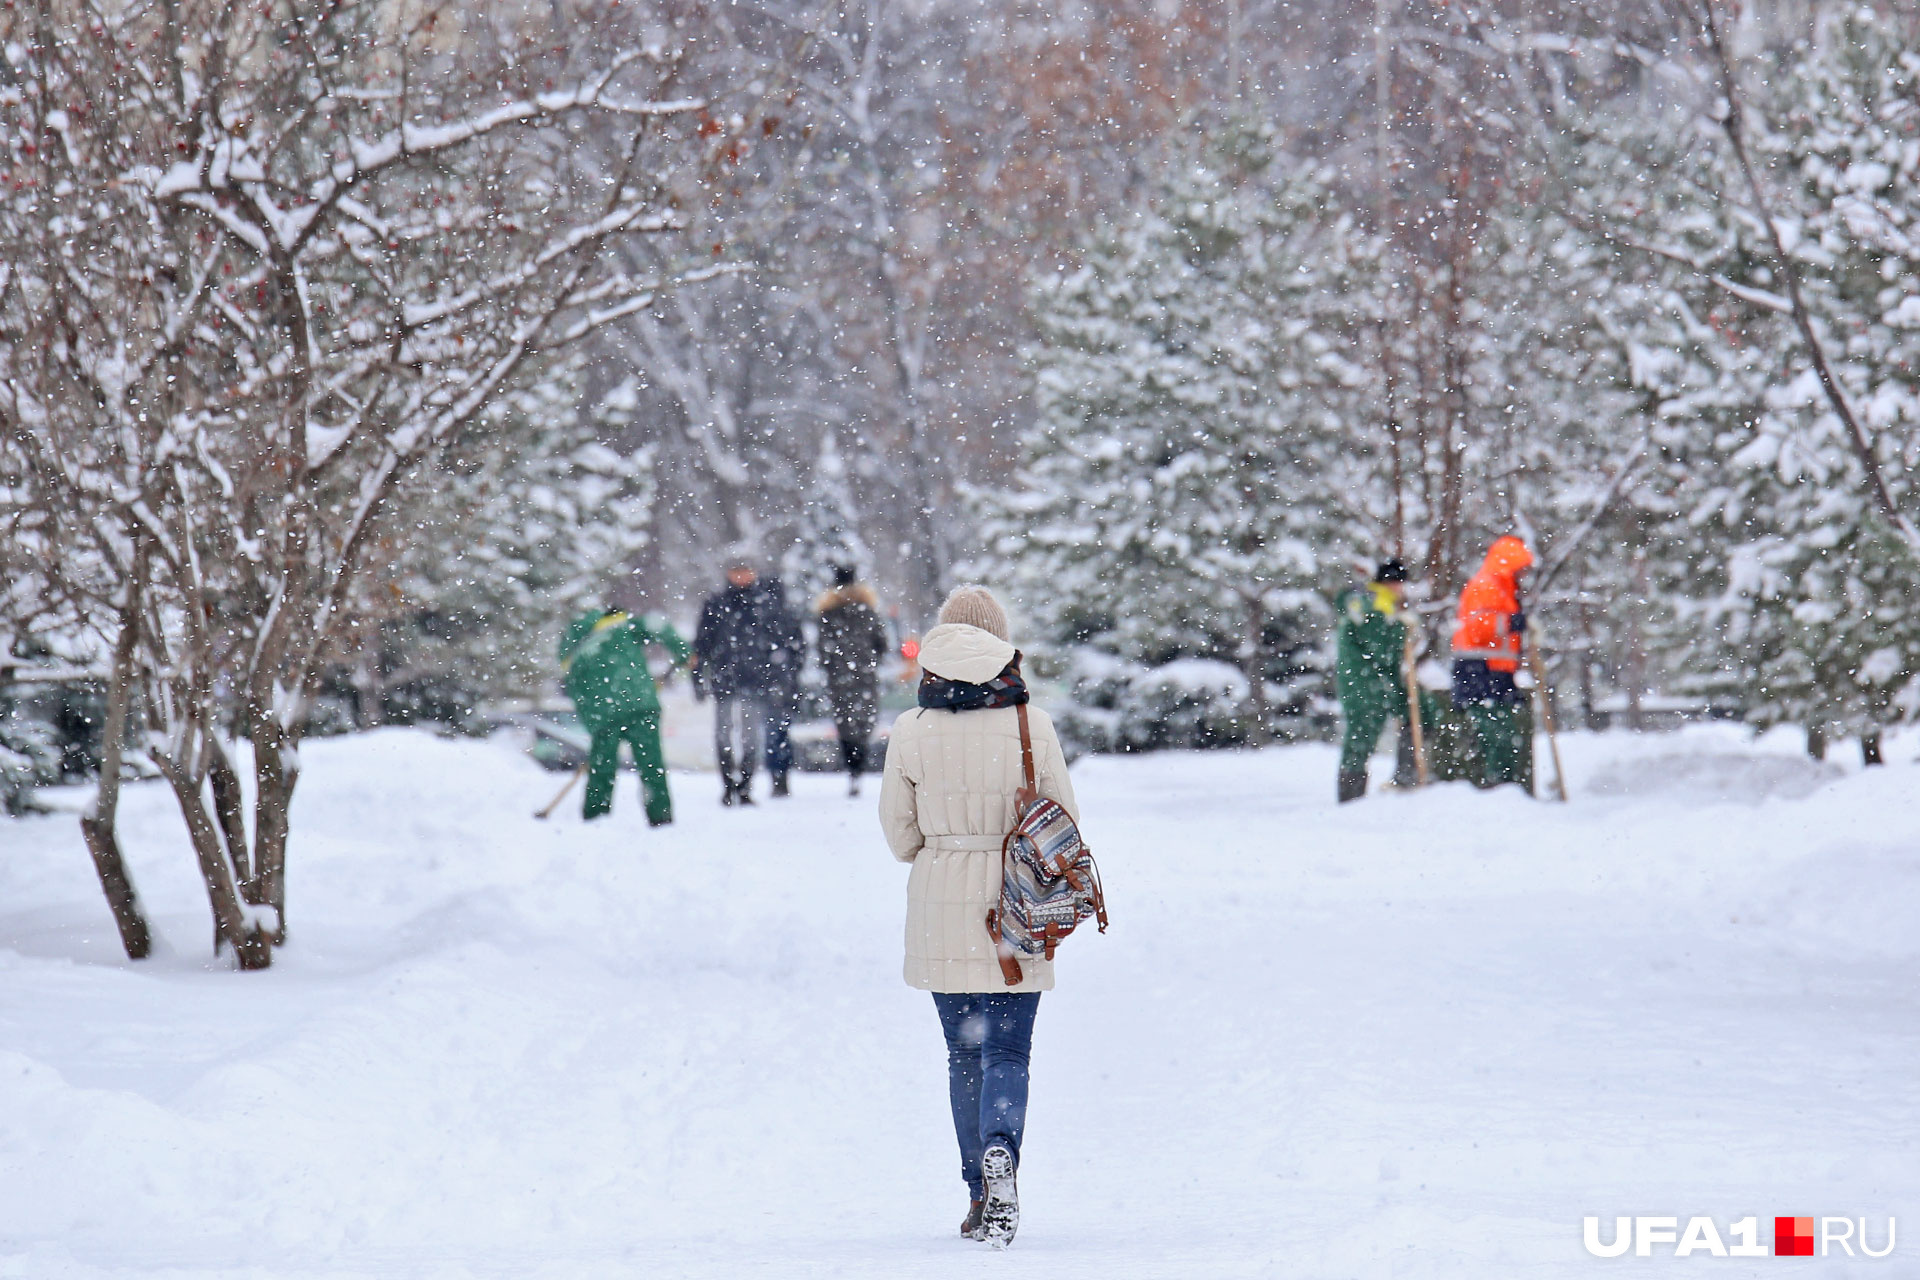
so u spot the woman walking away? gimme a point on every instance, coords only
(852, 642)
(946, 803)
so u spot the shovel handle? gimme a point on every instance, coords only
(577, 775)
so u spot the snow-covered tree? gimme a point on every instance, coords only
(1782, 348)
(264, 267)
(1846, 133)
(827, 531)
(1183, 484)
(506, 547)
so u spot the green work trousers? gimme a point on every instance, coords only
(1506, 743)
(642, 733)
(1366, 718)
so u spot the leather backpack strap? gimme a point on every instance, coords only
(1009, 967)
(1030, 791)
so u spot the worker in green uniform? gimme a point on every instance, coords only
(1371, 677)
(605, 658)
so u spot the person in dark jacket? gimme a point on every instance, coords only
(747, 654)
(605, 657)
(1370, 674)
(852, 641)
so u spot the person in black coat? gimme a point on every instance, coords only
(748, 653)
(852, 641)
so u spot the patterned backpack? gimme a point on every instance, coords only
(1048, 880)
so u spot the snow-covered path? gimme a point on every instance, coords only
(1421, 1036)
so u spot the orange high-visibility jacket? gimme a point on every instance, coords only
(1487, 605)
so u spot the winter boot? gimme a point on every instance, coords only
(972, 1228)
(780, 785)
(1352, 786)
(1000, 1215)
(853, 784)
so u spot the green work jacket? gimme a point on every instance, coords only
(1369, 653)
(605, 658)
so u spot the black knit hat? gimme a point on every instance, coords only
(844, 575)
(1390, 571)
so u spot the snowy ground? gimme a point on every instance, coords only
(1421, 1036)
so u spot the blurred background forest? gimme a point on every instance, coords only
(1171, 317)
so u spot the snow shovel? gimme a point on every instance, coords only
(1413, 711)
(547, 812)
(1546, 718)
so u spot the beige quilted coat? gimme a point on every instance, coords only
(946, 803)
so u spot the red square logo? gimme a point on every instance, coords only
(1793, 1237)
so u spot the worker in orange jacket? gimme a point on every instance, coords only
(1486, 652)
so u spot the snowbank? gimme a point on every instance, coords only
(1421, 1036)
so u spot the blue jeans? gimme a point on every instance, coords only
(989, 1037)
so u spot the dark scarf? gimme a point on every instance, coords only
(1005, 690)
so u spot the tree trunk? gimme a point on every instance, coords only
(1870, 749)
(97, 824)
(1636, 663)
(1816, 742)
(1252, 662)
(1588, 716)
(368, 711)
(250, 946)
(228, 808)
(103, 842)
(275, 773)
(1443, 550)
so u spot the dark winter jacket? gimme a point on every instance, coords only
(852, 640)
(605, 658)
(750, 642)
(1369, 653)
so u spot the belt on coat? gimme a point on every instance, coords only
(966, 844)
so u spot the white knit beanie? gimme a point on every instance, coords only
(975, 606)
